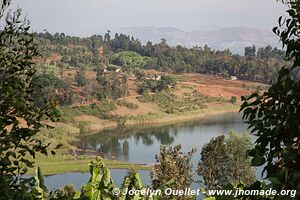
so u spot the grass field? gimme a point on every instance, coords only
(67, 163)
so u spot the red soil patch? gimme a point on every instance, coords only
(54, 57)
(215, 86)
(143, 108)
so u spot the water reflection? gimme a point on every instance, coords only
(141, 144)
(115, 143)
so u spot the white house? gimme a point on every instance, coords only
(233, 78)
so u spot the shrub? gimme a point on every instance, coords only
(124, 102)
(171, 103)
(100, 110)
(233, 100)
(80, 78)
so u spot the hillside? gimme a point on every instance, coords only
(124, 51)
(234, 39)
(194, 96)
(108, 81)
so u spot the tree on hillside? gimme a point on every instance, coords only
(20, 117)
(250, 51)
(107, 36)
(80, 78)
(45, 87)
(165, 82)
(140, 74)
(104, 86)
(224, 160)
(92, 51)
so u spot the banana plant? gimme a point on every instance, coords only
(100, 185)
(132, 182)
(39, 191)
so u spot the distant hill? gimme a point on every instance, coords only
(234, 39)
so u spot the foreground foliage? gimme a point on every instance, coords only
(274, 116)
(99, 187)
(173, 164)
(224, 161)
(20, 117)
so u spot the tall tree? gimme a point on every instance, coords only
(20, 118)
(212, 164)
(107, 36)
(225, 160)
(239, 164)
(80, 77)
(250, 51)
(173, 164)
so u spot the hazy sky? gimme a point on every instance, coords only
(87, 17)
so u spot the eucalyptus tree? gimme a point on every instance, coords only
(20, 117)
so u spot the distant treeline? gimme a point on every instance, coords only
(96, 51)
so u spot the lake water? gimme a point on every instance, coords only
(141, 144)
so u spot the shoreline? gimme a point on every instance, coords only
(168, 119)
(61, 164)
(185, 117)
(67, 163)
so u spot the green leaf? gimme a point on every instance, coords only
(258, 160)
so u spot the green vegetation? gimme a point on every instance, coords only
(100, 110)
(233, 100)
(100, 186)
(257, 65)
(112, 87)
(17, 142)
(114, 68)
(166, 100)
(80, 78)
(154, 83)
(59, 135)
(171, 104)
(149, 117)
(224, 161)
(44, 86)
(274, 115)
(124, 102)
(173, 164)
(42, 69)
(129, 59)
(68, 163)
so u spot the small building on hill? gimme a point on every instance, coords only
(154, 77)
(233, 78)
